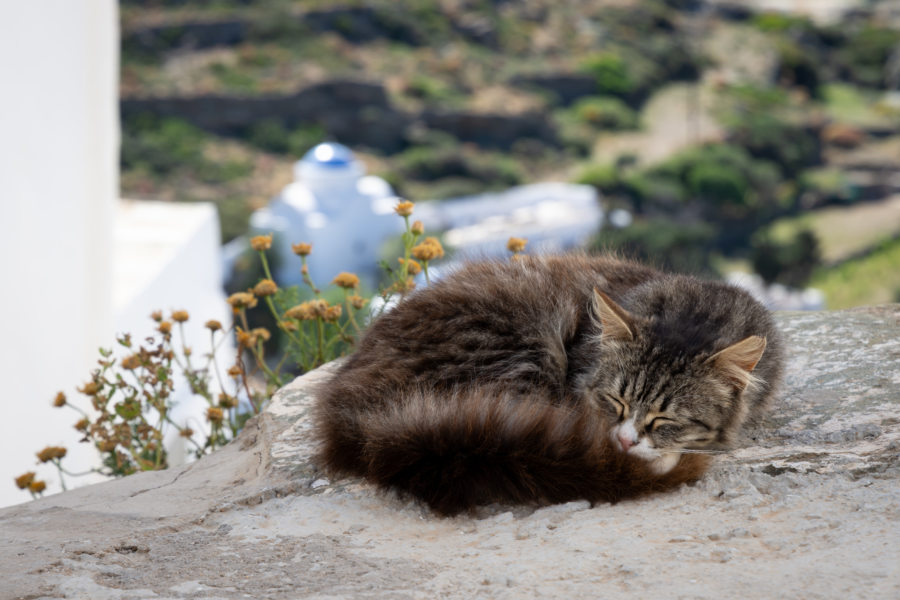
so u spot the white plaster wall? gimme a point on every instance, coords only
(59, 178)
(168, 258)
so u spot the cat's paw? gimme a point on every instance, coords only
(664, 463)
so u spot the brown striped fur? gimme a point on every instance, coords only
(496, 383)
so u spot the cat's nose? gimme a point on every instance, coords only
(625, 440)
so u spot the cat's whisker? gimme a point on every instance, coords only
(691, 451)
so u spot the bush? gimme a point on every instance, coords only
(605, 113)
(678, 247)
(864, 54)
(611, 73)
(790, 146)
(272, 135)
(790, 262)
(718, 184)
(604, 177)
(430, 163)
(160, 145)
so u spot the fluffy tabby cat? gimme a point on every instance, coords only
(549, 379)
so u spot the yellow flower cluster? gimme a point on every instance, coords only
(241, 300)
(215, 415)
(226, 401)
(404, 209)
(213, 325)
(429, 249)
(264, 288)
(516, 245)
(348, 281)
(60, 400)
(412, 267)
(180, 316)
(131, 362)
(261, 243)
(50, 453)
(302, 249)
(26, 481)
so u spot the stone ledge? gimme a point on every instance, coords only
(807, 507)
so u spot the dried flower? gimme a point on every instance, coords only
(266, 287)
(261, 332)
(516, 245)
(357, 301)
(90, 388)
(180, 316)
(346, 280)
(332, 314)
(165, 327)
(37, 486)
(186, 432)
(226, 401)
(244, 339)
(107, 445)
(319, 307)
(404, 209)
(82, 425)
(215, 414)
(51, 452)
(156, 315)
(60, 400)
(131, 362)
(301, 249)
(412, 267)
(234, 371)
(213, 325)
(240, 300)
(261, 242)
(287, 325)
(417, 228)
(429, 249)
(25, 479)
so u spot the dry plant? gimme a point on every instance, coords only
(131, 398)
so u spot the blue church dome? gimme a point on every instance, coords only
(330, 155)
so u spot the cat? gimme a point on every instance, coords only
(549, 379)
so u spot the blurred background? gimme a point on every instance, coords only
(146, 141)
(756, 137)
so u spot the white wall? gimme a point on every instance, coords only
(59, 177)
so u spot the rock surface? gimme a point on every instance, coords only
(807, 508)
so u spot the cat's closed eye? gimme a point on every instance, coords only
(620, 407)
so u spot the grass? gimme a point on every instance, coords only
(852, 105)
(873, 279)
(846, 230)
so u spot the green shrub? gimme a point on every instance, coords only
(611, 73)
(790, 262)
(160, 145)
(604, 177)
(765, 136)
(272, 135)
(605, 113)
(431, 163)
(718, 184)
(779, 22)
(865, 53)
(684, 248)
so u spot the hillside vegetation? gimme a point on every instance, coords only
(711, 125)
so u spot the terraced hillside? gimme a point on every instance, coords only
(709, 121)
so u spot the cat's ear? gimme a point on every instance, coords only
(615, 321)
(736, 362)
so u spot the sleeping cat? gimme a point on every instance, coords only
(549, 379)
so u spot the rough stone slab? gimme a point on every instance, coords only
(809, 507)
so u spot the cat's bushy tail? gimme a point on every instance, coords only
(479, 446)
